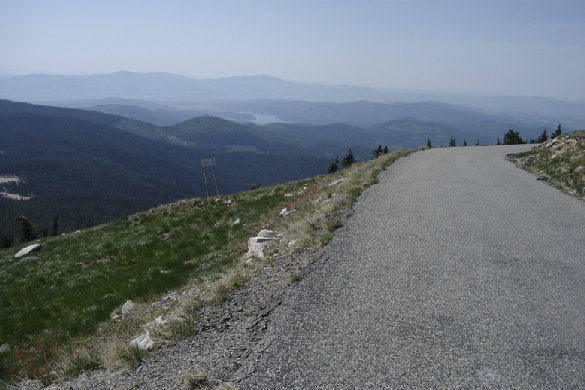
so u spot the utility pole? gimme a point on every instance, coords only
(209, 162)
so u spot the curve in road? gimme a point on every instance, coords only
(457, 270)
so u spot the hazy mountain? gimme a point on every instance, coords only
(536, 109)
(170, 88)
(164, 94)
(461, 119)
(165, 116)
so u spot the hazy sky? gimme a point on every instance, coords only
(496, 47)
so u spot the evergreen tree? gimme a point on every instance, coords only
(498, 142)
(26, 231)
(464, 142)
(378, 151)
(477, 143)
(429, 145)
(542, 137)
(348, 160)
(452, 141)
(55, 226)
(333, 166)
(5, 242)
(385, 149)
(513, 138)
(557, 132)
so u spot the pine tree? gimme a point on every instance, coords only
(333, 166)
(452, 141)
(557, 132)
(429, 145)
(542, 137)
(477, 143)
(55, 226)
(26, 231)
(464, 142)
(5, 242)
(498, 142)
(513, 138)
(378, 151)
(348, 160)
(385, 149)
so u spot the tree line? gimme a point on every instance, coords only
(349, 159)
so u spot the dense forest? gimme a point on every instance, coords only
(77, 166)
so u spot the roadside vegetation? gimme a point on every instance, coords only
(61, 307)
(560, 160)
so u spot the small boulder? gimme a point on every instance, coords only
(266, 234)
(127, 307)
(26, 250)
(143, 341)
(256, 245)
(284, 212)
(237, 221)
(336, 182)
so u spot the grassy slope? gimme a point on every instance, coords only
(61, 303)
(561, 161)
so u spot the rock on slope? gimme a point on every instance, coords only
(561, 161)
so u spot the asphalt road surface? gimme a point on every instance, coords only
(457, 270)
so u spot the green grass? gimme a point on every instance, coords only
(81, 364)
(334, 225)
(80, 279)
(131, 355)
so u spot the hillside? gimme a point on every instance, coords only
(561, 161)
(81, 167)
(62, 305)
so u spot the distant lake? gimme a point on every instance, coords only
(264, 119)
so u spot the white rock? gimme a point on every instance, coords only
(26, 250)
(256, 245)
(292, 243)
(143, 341)
(127, 307)
(237, 221)
(267, 234)
(284, 212)
(336, 182)
(159, 321)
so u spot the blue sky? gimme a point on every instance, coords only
(482, 47)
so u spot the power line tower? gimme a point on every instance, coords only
(209, 162)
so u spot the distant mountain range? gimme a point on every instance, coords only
(166, 87)
(224, 96)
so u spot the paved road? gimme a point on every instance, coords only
(457, 270)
